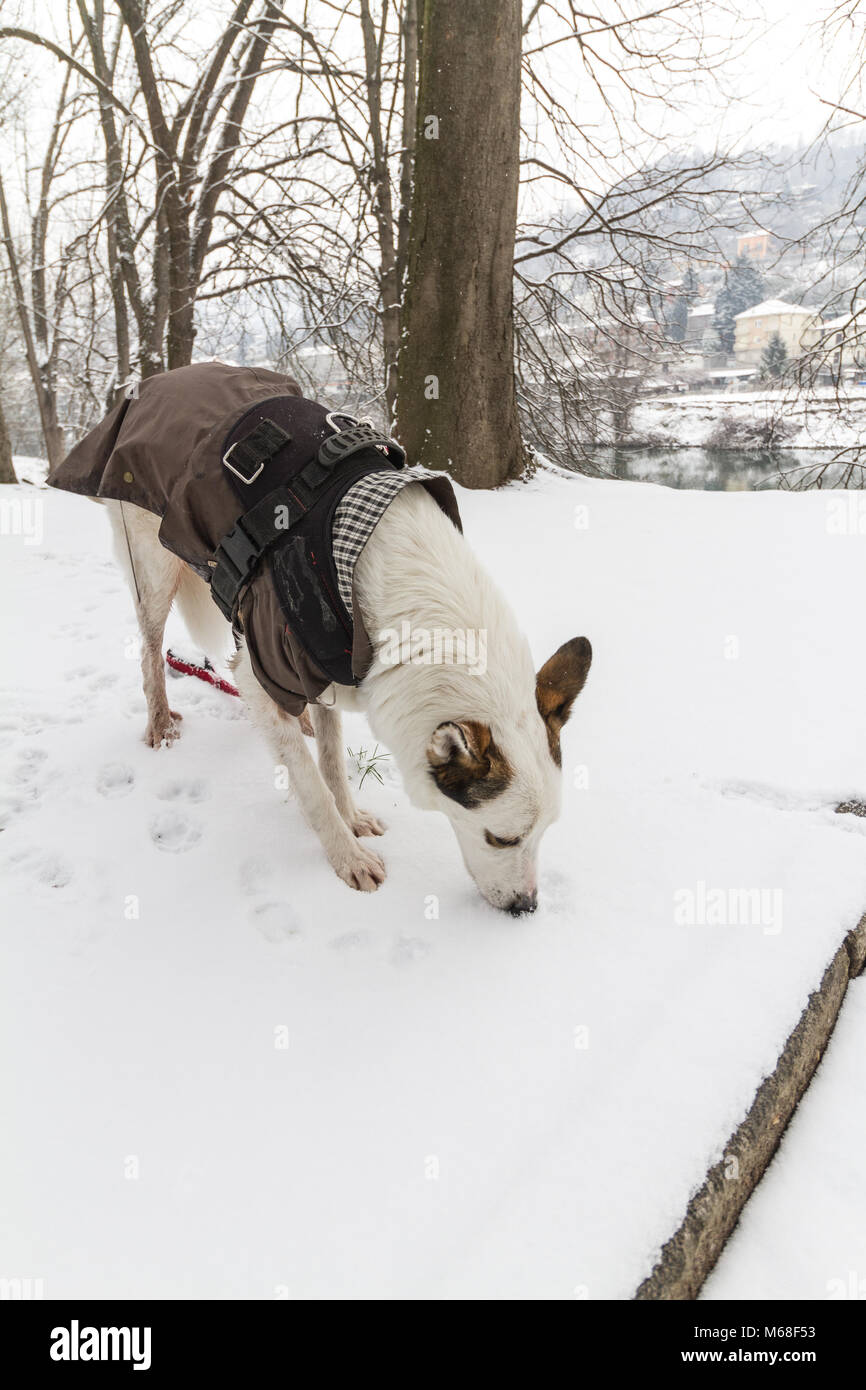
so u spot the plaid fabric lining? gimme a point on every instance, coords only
(358, 513)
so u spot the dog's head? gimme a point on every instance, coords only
(499, 784)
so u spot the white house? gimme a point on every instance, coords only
(795, 325)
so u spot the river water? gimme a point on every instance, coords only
(712, 470)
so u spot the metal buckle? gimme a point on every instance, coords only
(353, 422)
(232, 469)
(334, 415)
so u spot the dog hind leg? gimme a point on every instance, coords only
(153, 575)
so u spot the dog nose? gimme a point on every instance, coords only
(524, 902)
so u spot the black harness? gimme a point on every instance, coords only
(290, 462)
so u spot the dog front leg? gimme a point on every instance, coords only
(361, 868)
(328, 725)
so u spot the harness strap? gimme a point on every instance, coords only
(247, 457)
(240, 551)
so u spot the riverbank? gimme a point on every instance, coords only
(711, 470)
(749, 419)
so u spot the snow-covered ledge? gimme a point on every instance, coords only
(691, 1253)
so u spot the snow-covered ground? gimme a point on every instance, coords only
(230, 1076)
(803, 1234)
(817, 420)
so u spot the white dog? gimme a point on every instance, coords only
(476, 740)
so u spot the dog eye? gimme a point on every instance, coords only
(498, 843)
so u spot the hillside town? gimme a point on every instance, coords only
(775, 332)
(766, 341)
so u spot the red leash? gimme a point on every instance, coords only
(203, 673)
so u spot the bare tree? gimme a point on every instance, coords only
(257, 188)
(7, 470)
(601, 224)
(39, 371)
(184, 149)
(178, 145)
(839, 291)
(393, 229)
(617, 209)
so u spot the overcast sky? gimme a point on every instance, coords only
(774, 74)
(785, 71)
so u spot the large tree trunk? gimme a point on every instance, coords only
(457, 400)
(7, 471)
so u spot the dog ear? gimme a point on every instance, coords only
(465, 763)
(557, 686)
(450, 742)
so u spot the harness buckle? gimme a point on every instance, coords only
(237, 472)
(363, 435)
(255, 450)
(239, 549)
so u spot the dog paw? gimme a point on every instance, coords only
(195, 789)
(115, 779)
(174, 833)
(306, 724)
(365, 823)
(276, 922)
(164, 731)
(361, 869)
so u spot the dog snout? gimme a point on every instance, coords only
(524, 902)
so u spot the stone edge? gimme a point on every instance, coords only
(691, 1253)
